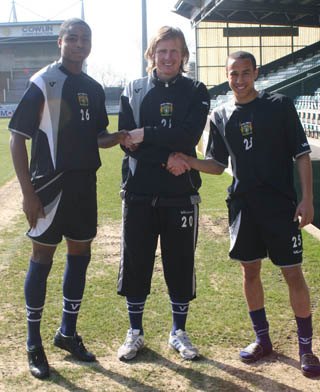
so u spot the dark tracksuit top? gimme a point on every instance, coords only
(173, 115)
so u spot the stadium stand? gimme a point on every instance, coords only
(17, 84)
(25, 47)
(308, 108)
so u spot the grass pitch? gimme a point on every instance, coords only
(218, 322)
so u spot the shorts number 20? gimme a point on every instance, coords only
(186, 221)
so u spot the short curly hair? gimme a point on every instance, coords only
(70, 22)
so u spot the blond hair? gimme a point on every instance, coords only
(163, 34)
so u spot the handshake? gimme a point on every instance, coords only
(177, 164)
(131, 139)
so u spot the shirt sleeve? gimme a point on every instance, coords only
(102, 120)
(27, 116)
(216, 148)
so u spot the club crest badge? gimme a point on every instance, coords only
(166, 109)
(246, 128)
(83, 99)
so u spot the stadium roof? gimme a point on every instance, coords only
(268, 12)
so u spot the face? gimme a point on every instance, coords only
(168, 58)
(241, 77)
(75, 45)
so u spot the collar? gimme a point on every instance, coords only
(158, 82)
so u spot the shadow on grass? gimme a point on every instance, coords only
(58, 379)
(258, 380)
(198, 380)
(125, 381)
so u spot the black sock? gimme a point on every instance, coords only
(261, 327)
(73, 287)
(135, 307)
(35, 293)
(304, 334)
(180, 308)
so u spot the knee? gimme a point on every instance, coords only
(79, 248)
(294, 277)
(251, 272)
(42, 257)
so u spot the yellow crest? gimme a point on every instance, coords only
(166, 109)
(246, 128)
(83, 99)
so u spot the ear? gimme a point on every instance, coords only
(256, 73)
(59, 42)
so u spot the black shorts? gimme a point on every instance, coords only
(70, 204)
(261, 225)
(144, 222)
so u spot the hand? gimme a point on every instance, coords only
(304, 213)
(137, 135)
(33, 209)
(126, 140)
(107, 140)
(177, 164)
(123, 136)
